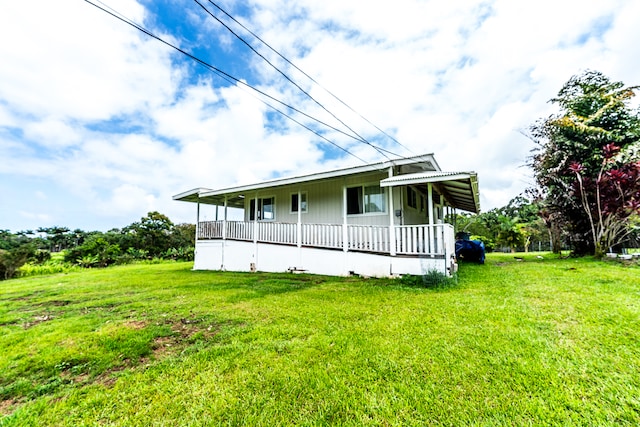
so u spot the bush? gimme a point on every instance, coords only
(180, 254)
(30, 269)
(12, 260)
(42, 256)
(432, 279)
(96, 251)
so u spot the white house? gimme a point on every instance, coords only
(379, 219)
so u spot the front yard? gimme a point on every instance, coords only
(531, 342)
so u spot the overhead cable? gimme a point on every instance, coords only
(300, 70)
(359, 137)
(221, 73)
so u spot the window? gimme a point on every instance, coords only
(412, 198)
(266, 209)
(294, 202)
(365, 199)
(354, 200)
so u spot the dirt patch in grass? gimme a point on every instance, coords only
(184, 332)
(8, 406)
(57, 303)
(136, 324)
(37, 320)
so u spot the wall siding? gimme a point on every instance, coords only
(324, 201)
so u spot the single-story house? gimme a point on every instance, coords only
(379, 219)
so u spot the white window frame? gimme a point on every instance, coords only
(261, 208)
(304, 203)
(416, 197)
(383, 193)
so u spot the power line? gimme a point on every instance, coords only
(297, 68)
(360, 137)
(226, 76)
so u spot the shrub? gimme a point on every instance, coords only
(96, 251)
(432, 279)
(12, 260)
(180, 254)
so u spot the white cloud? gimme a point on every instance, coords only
(118, 123)
(68, 59)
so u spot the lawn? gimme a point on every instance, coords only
(516, 342)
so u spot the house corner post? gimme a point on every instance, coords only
(345, 230)
(197, 221)
(224, 220)
(256, 209)
(431, 222)
(224, 233)
(299, 225)
(392, 225)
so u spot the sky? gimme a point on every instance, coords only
(101, 124)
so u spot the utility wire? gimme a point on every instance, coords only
(360, 137)
(221, 73)
(300, 70)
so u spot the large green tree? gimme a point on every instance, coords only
(587, 162)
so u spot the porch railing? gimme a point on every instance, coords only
(420, 239)
(322, 235)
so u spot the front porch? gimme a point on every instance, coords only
(421, 239)
(336, 249)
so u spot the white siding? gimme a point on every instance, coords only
(324, 201)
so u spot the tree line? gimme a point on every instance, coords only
(154, 236)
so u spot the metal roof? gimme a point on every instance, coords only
(459, 188)
(208, 196)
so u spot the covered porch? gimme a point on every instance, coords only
(422, 239)
(376, 220)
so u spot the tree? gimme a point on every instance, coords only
(152, 233)
(12, 260)
(587, 162)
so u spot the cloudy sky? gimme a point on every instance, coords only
(100, 123)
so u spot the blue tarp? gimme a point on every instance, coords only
(469, 250)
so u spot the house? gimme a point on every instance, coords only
(378, 219)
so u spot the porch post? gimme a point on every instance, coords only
(431, 234)
(255, 220)
(345, 231)
(299, 226)
(198, 220)
(392, 226)
(224, 220)
(441, 224)
(224, 232)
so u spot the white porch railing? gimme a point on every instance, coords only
(409, 239)
(371, 238)
(322, 235)
(277, 232)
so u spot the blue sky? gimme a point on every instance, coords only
(100, 124)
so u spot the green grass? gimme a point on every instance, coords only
(531, 342)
